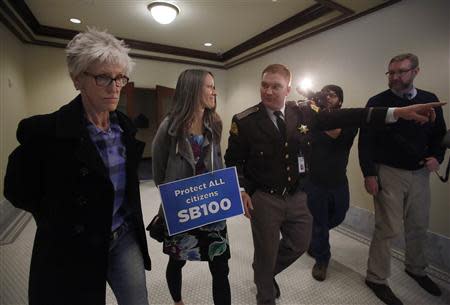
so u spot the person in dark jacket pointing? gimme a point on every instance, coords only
(396, 163)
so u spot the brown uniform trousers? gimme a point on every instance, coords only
(268, 167)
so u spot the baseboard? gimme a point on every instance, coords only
(13, 224)
(359, 224)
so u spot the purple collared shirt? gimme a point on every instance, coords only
(113, 153)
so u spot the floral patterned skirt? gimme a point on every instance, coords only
(200, 244)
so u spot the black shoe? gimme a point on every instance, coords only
(384, 293)
(277, 289)
(319, 271)
(426, 283)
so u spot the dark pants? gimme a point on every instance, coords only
(219, 271)
(328, 207)
(272, 215)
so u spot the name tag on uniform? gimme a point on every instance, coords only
(301, 165)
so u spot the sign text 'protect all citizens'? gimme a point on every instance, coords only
(201, 200)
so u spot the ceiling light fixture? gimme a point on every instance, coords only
(75, 20)
(163, 12)
(208, 44)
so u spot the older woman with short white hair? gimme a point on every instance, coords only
(75, 170)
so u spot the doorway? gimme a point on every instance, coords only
(146, 107)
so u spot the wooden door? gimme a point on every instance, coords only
(164, 96)
(126, 100)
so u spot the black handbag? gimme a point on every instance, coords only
(156, 228)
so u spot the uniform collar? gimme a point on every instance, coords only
(271, 114)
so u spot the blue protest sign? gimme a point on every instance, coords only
(199, 200)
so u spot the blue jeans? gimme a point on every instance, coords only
(328, 207)
(126, 273)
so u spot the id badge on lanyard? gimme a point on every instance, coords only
(301, 164)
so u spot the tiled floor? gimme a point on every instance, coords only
(344, 285)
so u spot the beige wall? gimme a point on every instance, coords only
(47, 81)
(40, 84)
(148, 74)
(12, 95)
(355, 56)
(49, 85)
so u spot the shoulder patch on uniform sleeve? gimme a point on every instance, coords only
(314, 107)
(247, 112)
(234, 130)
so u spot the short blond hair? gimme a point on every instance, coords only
(279, 69)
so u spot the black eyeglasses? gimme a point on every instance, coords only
(399, 73)
(103, 80)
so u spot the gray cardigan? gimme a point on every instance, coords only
(173, 158)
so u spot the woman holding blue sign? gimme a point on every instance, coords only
(187, 143)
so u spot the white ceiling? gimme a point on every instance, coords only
(249, 28)
(225, 23)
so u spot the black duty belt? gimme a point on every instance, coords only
(279, 191)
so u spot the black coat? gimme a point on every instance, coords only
(265, 161)
(57, 174)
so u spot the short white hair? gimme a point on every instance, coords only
(96, 46)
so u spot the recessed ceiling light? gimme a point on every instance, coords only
(75, 20)
(163, 12)
(207, 44)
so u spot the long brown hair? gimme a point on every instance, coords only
(185, 102)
